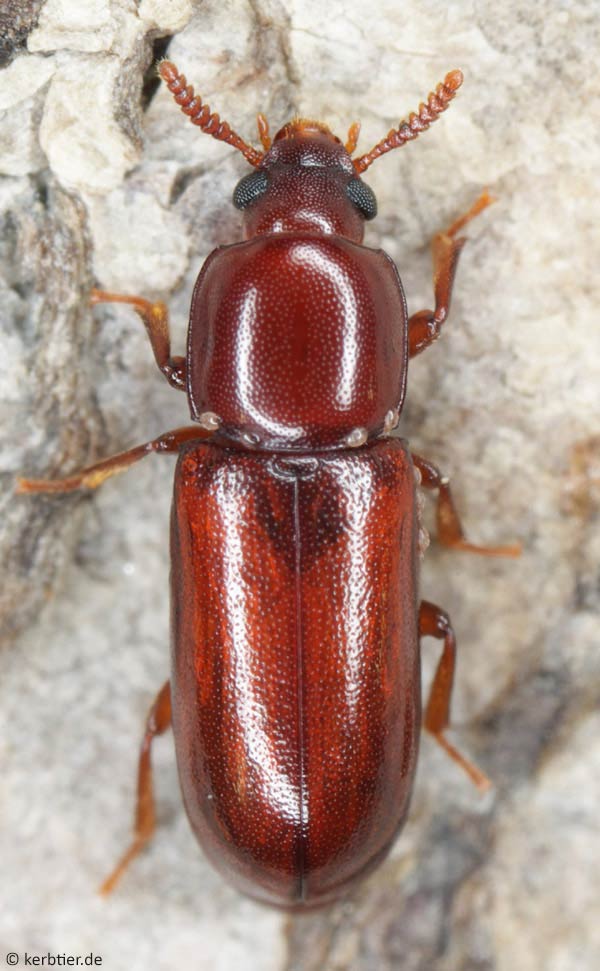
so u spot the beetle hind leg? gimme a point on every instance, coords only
(434, 622)
(158, 721)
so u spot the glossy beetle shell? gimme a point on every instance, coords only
(295, 680)
(297, 340)
(295, 690)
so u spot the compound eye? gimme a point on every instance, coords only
(363, 197)
(250, 188)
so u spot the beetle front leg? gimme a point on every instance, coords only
(449, 528)
(158, 721)
(424, 327)
(155, 318)
(434, 622)
(94, 475)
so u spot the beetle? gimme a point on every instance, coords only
(295, 533)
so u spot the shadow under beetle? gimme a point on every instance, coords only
(295, 533)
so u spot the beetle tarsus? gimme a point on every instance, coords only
(108, 885)
(482, 202)
(434, 622)
(157, 722)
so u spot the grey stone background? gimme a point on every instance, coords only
(103, 180)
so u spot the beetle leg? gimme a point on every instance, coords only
(158, 721)
(94, 475)
(449, 528)
(434, 622)
(155, 318)
(425, 326)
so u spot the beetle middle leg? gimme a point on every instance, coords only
(434, 622)
(155, 318)
(449, 528)
(94, 475)
(158, 721)
(425, 326)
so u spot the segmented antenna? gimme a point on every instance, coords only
(417, 122)
(201, 115)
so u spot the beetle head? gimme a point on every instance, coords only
(305, 180)
(305, 183)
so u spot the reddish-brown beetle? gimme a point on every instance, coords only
(295, 688)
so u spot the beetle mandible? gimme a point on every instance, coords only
(295, 533)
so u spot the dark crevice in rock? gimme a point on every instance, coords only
(406, 918)
(17, 19)
(187, 176)
(183, 180)
(524, 721)
(272, 43)
(46, 262)
(40, 183)
(152, 82)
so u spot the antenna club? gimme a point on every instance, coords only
(417, 122)
(168, 71)
(201, 115)
(453, 80)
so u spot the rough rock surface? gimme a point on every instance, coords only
(103, 180)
